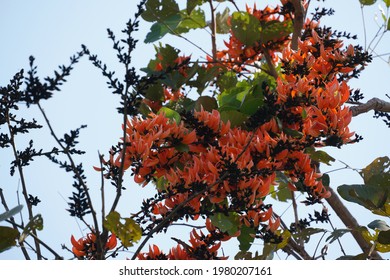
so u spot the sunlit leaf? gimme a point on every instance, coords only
(196, 19)
(170, 114)
(128, 232)
(222, 21)
(8, 237)
(10, 213)
(246, 28)
(286, 235)
(380, 166)
(275, 30)
(387, 2)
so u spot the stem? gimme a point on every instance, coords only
(372, 104)
(23, 182)
(213, 30)
(270, 63)
(77, 174)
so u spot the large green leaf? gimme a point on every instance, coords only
(246, 28)
(229, 223)
(160, 10)
(246, 238)
(8, 237)
(236, 118)
(275, 30)
(10, 213)
(192, 4)
(372, 197)
(374, 194)
(208, 103)
(160, 29)
(196, 19)
(387, 3)
(281, 192)
(128, 232)
(319, 156)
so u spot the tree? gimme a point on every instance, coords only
(217, 137)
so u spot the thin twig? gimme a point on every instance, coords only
(213, 30)
(22, 180)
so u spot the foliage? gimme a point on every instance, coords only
(215, 138)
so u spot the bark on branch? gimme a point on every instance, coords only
(351, 223)
(299, 13)
(372, 104)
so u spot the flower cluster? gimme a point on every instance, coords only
(86, 247)
(200, 247)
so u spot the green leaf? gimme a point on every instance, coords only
(319, 156)
(36, 223)
(336, 234)
(367, 2)
(6, 215)
(128, 232)
(222, 21)
(229, 223)
(227, 80)
(203, 78)
(196, 19)
(236, 118)
(325, 178)
(380, 165)
(387, 3)
(155, 92)
(306, 233)
(281, 191)
(192, 4)
(362, 256)
(384, 237)
(183, 148)
(159, 10)
(8, 237)
(246, 28)
(388, 23)
(368, 196)
(379, 224)
(160, 29)
(161, 184)
(170, 114)
(246, 237)
(208, 103)
(275, 30)
(292, 132)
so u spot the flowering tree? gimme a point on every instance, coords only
(216, 137)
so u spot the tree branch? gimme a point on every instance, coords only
(347, 218)
(372, 104)
(298, 22)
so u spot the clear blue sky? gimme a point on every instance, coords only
(52, 31)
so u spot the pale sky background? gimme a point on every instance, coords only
(52, 31)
